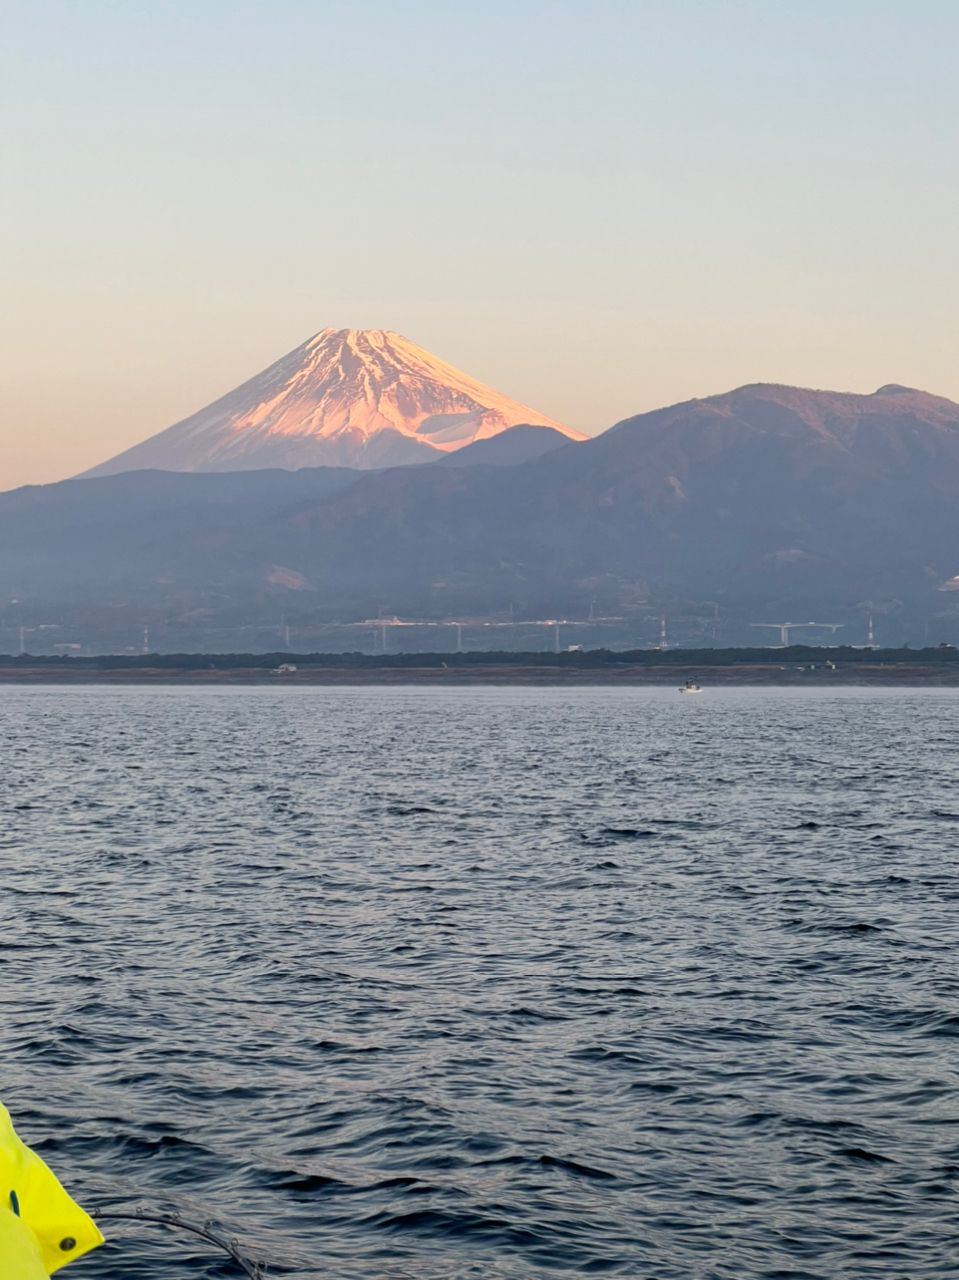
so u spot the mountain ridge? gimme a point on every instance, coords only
(760, 503)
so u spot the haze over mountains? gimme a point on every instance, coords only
(767, 503)
(345, 397)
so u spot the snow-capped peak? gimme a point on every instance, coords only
(345, 397)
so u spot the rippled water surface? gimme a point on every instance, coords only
(502, 982)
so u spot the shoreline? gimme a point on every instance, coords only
(889, 675)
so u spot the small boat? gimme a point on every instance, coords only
(690, 687)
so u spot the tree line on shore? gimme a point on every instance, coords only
(589, 659)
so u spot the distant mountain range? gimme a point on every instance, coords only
(347, 398)
(765, 504)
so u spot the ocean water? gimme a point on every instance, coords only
(490, 982)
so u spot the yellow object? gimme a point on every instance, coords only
(41, 1229)
(19, 1252)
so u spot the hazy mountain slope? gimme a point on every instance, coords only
(766, 494)
(348, 397)
(149, 535)
(518, 444)
(775, 493)
(766, 500)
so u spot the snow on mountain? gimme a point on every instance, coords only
(346, 397)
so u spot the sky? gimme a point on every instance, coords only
(596, 206)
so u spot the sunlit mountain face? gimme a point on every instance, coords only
(362, 398)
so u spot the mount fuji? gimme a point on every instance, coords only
(365, 398)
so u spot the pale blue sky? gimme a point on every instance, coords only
(596, 207)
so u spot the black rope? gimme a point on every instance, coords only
(230, 1247)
